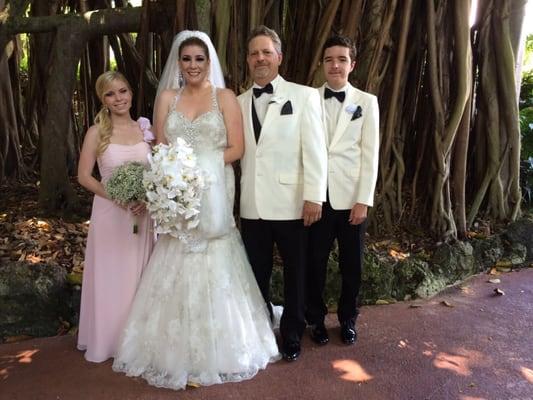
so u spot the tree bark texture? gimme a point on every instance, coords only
(449, 134)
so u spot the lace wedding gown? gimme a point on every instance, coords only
(198, 315)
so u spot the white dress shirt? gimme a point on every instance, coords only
(261, 102)
(333, 107)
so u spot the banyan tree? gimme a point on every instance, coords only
(448, 93)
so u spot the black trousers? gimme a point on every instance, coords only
(290, 237)
(333, 225)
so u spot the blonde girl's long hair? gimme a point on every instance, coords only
(103, 118)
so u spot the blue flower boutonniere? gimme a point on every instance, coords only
(355, 110)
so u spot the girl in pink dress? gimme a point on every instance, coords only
(115, 256)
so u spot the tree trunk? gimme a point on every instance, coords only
(72, 34)
(56, 193)
(10, 154)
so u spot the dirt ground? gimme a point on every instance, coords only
(467, 343)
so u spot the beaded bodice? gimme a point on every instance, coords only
(206, 132)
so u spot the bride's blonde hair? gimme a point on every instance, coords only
(103, 118)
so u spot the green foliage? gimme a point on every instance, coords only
(528, 54)
(23, 51)
(526, 181)
(526, 90)
(526, 103)
(526, 131)
(526, 126)
(113, 64)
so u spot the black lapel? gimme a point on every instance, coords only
(256, 123)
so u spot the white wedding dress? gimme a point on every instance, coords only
(198, 316)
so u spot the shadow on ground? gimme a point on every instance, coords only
(465, 344)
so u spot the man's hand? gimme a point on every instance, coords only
(311, 212)
(358, 214)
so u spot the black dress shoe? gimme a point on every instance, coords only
(348, 332)
(291, 351)
(319, 334)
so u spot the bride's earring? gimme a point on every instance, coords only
(178, 80)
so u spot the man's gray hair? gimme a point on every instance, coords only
(262, 30)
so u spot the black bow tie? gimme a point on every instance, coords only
(267, 89)
(328, 93)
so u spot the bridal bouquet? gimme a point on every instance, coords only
(126, 185)
(174, 185)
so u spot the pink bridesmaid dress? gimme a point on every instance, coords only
(114, 260)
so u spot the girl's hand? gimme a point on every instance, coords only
(137, 208)
(121, 205)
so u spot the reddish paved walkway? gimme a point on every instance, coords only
(481, 348)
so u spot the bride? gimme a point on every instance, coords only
(198, 317)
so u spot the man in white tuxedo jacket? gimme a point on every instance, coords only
(351, 117)
(283, 181)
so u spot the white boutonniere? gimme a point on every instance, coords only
(276, 99)
(355, 110)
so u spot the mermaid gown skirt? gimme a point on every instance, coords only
(198, 315)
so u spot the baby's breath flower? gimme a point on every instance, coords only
(126, 184)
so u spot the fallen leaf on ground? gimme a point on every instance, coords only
(504, 269)
(18, 338)
(446, 303)
(63, 328)
(381, 302)
(503, 263)
(495, 280)
(499, 292)
(466, 289)
(75, 278)
(33, 259)
(398, 255)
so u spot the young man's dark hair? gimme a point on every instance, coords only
(339, 40)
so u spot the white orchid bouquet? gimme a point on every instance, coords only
(174, 185)
(126, 185)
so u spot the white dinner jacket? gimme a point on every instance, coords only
(353, 151)
(288, 163)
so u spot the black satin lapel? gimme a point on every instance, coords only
(256, 123)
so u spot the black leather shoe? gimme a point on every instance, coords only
(291, 351)
(319, 334)
(348, 332)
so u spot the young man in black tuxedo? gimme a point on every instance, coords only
(351, 118)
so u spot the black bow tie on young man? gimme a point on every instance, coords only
(267, 89)
(328, 93)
